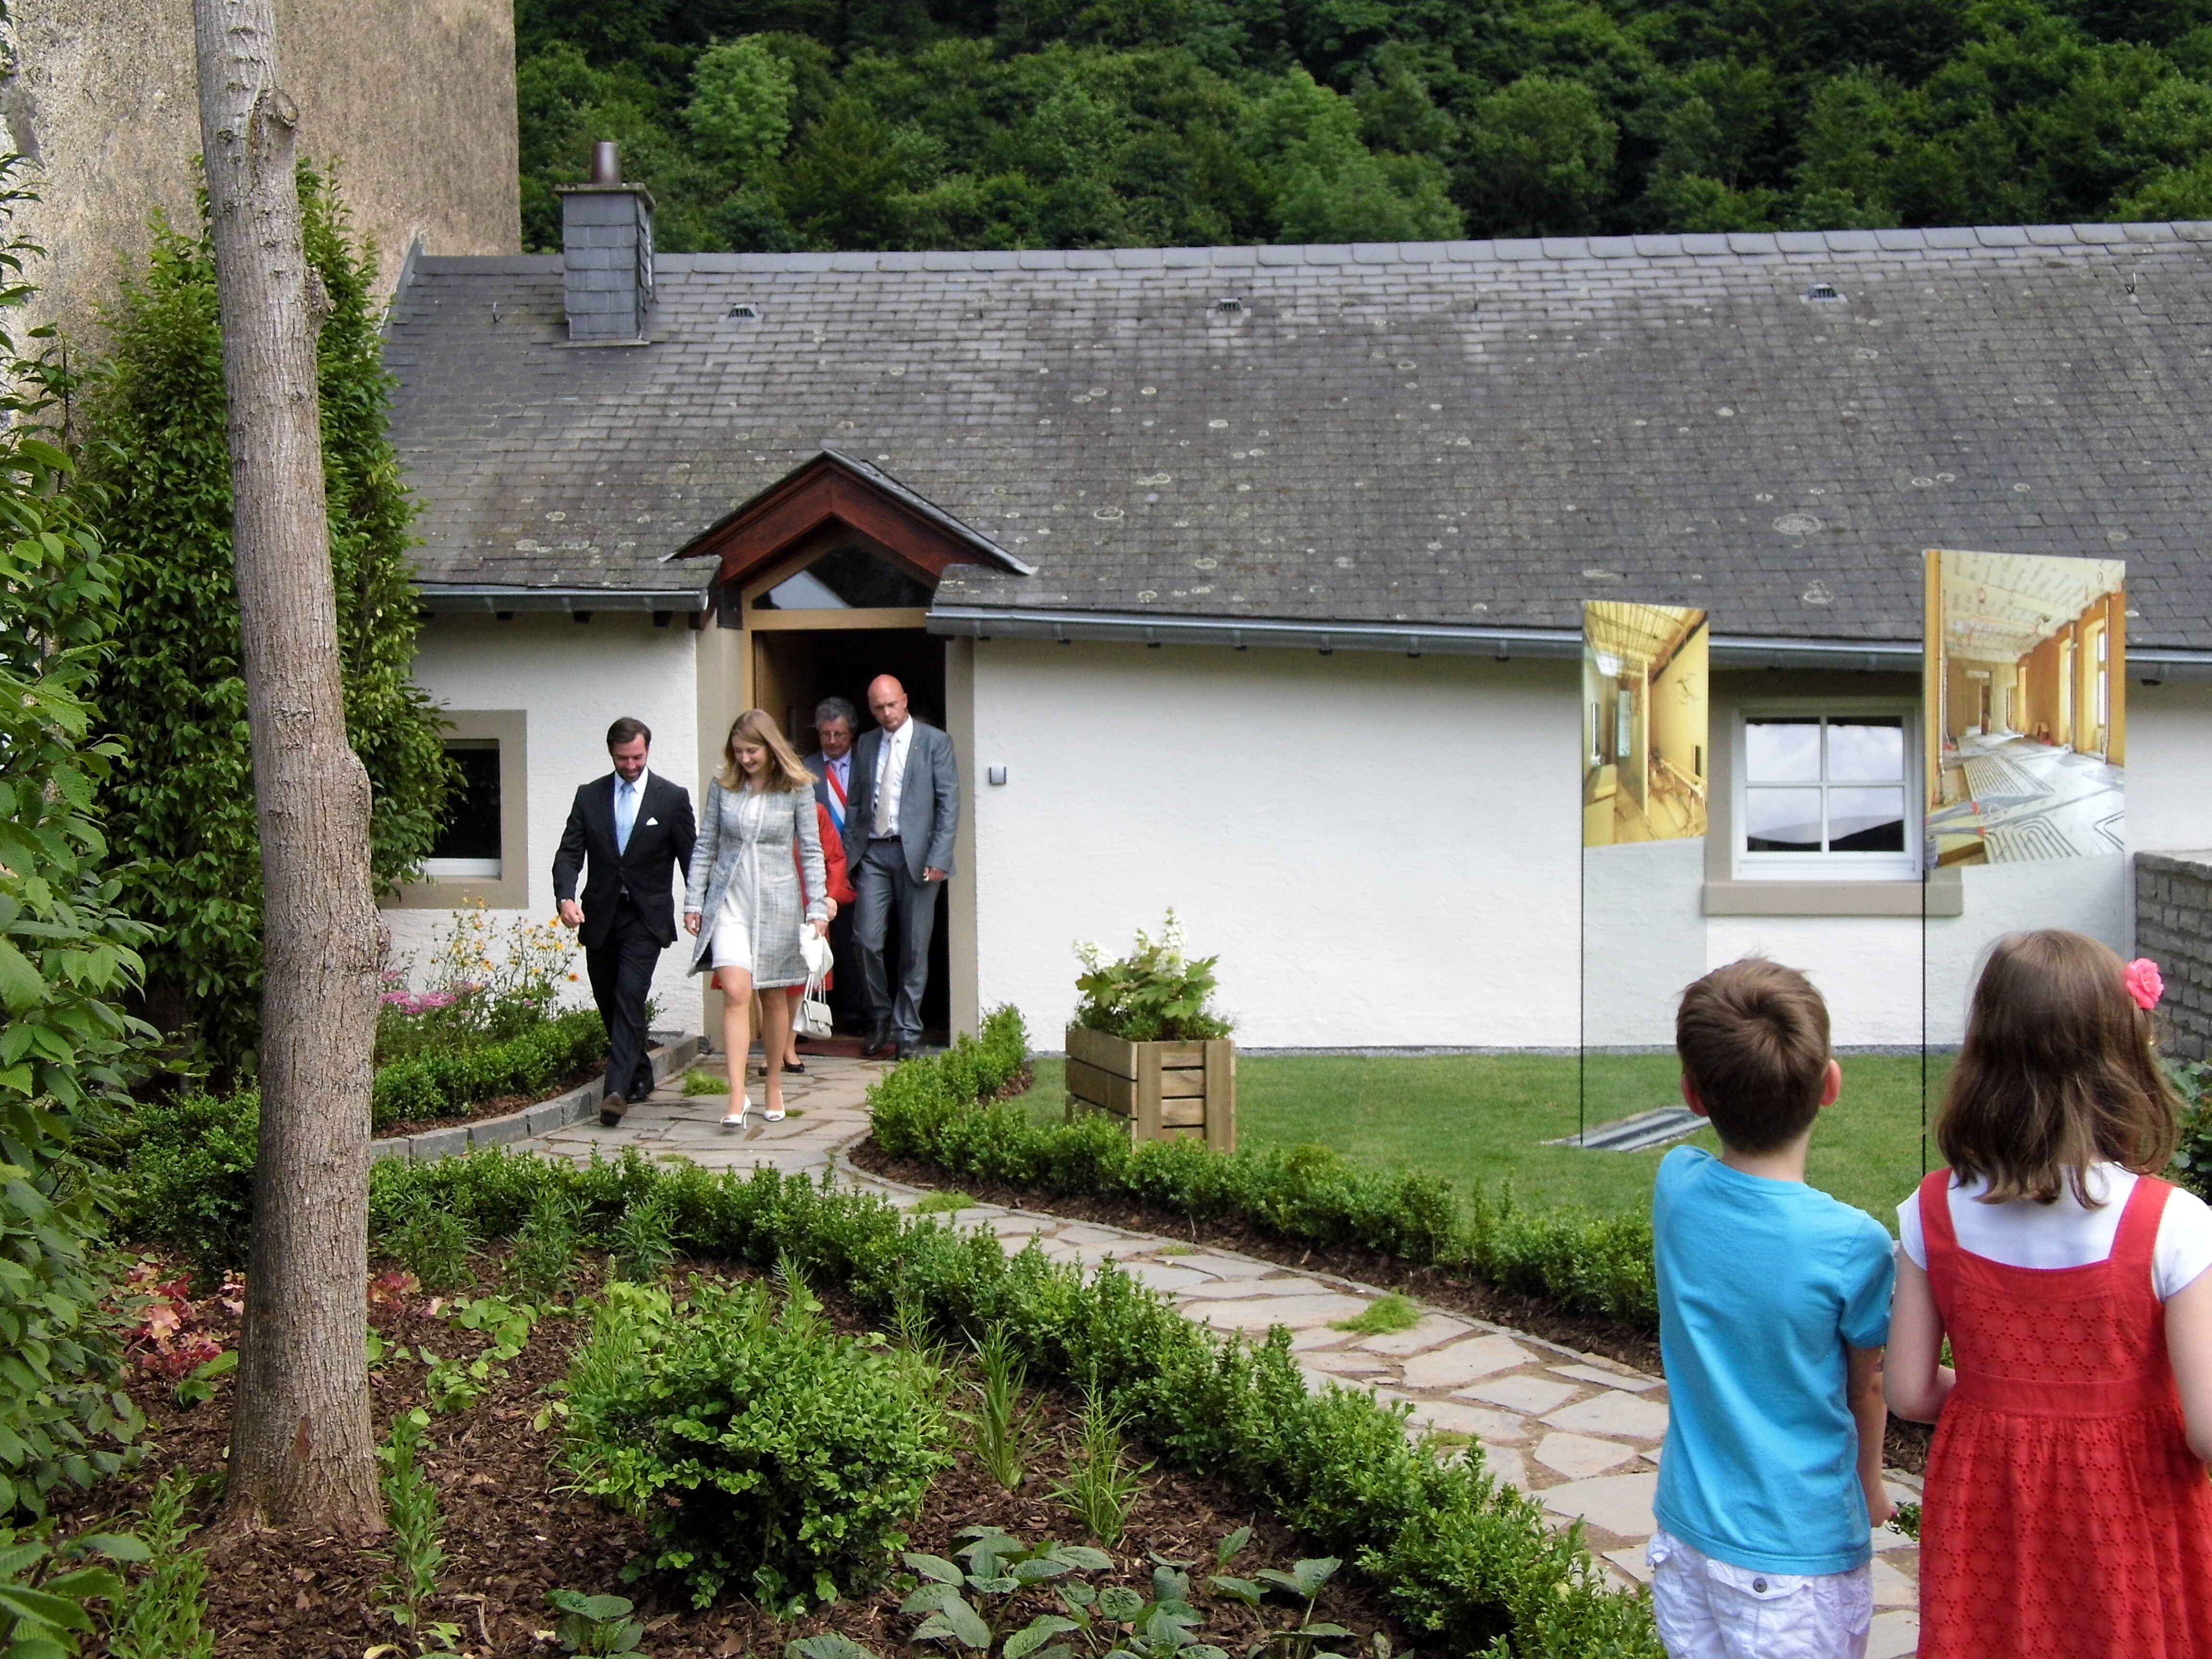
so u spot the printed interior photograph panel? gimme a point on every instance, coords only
(1645, 743)
(2025, 696)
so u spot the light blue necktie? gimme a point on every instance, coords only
(625, 813)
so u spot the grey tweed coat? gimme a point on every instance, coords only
(748, 835)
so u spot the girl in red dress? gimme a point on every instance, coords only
(2067, 1511)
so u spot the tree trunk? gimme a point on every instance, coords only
(302, 1452)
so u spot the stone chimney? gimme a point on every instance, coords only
(606, 243)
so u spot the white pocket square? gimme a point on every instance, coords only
(649, 823)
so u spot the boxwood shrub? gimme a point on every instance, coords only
(943, 1112)
(187, 1163)
(1457, 1553)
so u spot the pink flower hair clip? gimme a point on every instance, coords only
(2143, 983)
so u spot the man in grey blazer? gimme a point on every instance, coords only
(902, 809)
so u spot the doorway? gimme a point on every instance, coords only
(793, 669)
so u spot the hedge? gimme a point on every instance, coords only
(1455, 1553)
(942, 1112)
(187, 1163)
(441, 1085)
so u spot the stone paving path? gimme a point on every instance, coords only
(1579, 1431)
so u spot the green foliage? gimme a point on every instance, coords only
(1154, 994)
(543, 1261)
(68, 956)
(456, 1384)
(598, 1624)
(46, 1596)
(1152, 123)
(187, 1163)
(760, 1450)
(417, 1549)
(1101, 1488)
(162, 1614)
(928, 1109)
(173, 685)
(2193, 1157)
(1003, 1427)
(445, 1082)
(1450, 1550)
(1382, 1316)
(434, 1245)
(969, 1601)
(696, 1082)
(641, 1244)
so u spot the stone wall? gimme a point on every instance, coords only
(2173, 928)
(412, 100)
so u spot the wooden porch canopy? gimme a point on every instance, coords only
(834, 500)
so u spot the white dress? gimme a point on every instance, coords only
(733, 919)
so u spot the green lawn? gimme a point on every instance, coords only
(1474, 1118)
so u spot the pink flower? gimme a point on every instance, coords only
(2143, 984)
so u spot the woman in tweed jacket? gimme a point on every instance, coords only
(742, 899)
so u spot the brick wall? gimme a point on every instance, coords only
(2173, 928)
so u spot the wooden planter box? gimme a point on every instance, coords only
(1165, 1091)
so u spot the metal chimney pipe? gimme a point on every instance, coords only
(606, 163)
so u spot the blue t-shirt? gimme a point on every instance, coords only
(1762, 1285)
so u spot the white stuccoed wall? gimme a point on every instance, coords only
(571, 679)
(1381, 850)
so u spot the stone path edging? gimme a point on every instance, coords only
(578, 1104)
(1579, 1432)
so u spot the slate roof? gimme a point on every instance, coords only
(1448, 432)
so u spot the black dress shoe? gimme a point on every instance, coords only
(611, 1109)
(907, 1051)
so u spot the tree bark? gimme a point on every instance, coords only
(302, 1452)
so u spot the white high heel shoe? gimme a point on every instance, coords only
(735, 1117)
(772, 1115)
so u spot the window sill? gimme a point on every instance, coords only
(1943, 894)
(456, 892)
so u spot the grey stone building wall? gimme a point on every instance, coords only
(2173, 928)
(413, 101)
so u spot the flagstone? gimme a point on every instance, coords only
(1891, 1588)
(1523, 1393)
(1462, 1362)
(1258, 1314)
(1618, 1503)
(1608, 1379)
(1237, 1290)
(1613, 1411)
(1579, 1456)
(1893, 1635)
(1434, 1328)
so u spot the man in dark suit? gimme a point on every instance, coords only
(834, 722)
(904, 809)
(635, 831)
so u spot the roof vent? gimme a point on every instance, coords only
(1823, 294)
(744, 312)
(1228, 307)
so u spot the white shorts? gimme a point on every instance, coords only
(1709, 1609)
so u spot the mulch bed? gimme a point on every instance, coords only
(511, 1536)
(1904, 1446)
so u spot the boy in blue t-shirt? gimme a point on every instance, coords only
(1773, 1311)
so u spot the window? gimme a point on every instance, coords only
(1823, 795)
(468, 844)
(482, 850)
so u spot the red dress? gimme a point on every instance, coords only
(2065, 1515)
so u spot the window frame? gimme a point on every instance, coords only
(454, 885)
(1745, 865)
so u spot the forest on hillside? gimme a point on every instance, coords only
(771, 125)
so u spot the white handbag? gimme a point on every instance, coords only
(812, 1016)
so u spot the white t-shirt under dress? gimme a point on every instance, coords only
(2064, 1234)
